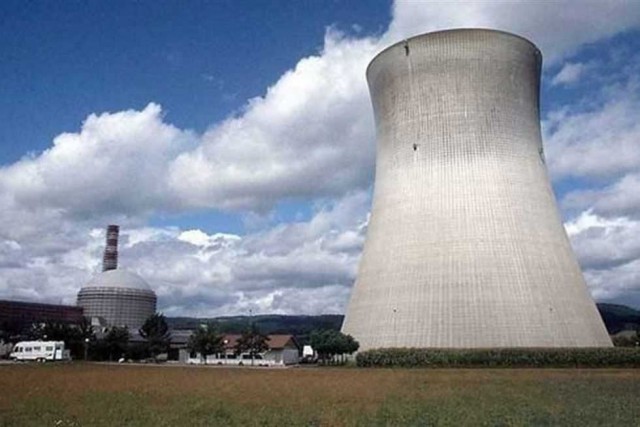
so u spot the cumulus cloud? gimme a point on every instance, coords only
(114, 165)
(301, 267)
(311, 135)
(619, 284)
(622, 198)
(596, 142)
(558, 28)
(599, 142)
(593, 150)
(602, 243)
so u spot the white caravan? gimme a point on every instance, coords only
(40, 351)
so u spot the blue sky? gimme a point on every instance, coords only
(234, 142)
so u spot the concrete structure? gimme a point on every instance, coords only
(117, 297)
(465, 246)
(283, 349)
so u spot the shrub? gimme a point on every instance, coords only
(504, 357)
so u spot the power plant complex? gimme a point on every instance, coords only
(117, 297)
(465, 246)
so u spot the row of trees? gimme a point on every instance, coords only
(330, 345)
(115, 343)
(207, 340)
(83, 342)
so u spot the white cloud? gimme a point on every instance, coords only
(609, 252)
(570, 73)
(558, 28)
(597, 143)
(622, 198)
(311, 135)
(114, 165)
(303, 267)
(601, 142)
(601, 243)
(618, 284)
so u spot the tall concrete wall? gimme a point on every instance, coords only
(465, 246)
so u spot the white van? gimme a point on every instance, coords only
(40, 351)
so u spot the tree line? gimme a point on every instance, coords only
(207, 339)
(84, 343)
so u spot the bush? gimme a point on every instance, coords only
(504, 358)
(137, 351)
(625, 341)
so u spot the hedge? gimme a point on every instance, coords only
(504, 357)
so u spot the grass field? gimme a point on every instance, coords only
(112, 395)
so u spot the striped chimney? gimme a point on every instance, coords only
(110, 259)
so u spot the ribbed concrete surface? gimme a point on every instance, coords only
(119, 297)
(465, 245)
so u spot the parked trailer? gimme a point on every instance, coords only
(39, 351)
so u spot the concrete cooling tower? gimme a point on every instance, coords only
(465, 246)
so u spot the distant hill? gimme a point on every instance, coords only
(616, 318)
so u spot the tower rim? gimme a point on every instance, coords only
(455, 30)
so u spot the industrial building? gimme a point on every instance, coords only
(465, 245)
(117, 297)
(20, 315)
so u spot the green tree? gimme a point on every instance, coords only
(155, 331)
(328, 343)
(252, 342)
(11, 330)
(51, 331)
(206, 340)
(115, 341)
(73, 335)
(85, 336)
(351, 345)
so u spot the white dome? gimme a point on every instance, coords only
(118, 279)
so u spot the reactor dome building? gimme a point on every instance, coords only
(117, 297)
(465, 246)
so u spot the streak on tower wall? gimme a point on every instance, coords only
(465, 246)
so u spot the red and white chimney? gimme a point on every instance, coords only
(110, 259)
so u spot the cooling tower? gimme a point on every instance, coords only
(465, 246)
